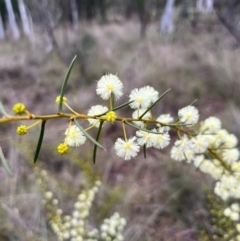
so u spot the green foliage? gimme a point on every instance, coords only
(40, 140)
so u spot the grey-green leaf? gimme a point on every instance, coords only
(97, 138)
(139, 128)
(65, 83)
(194, 102)
(112, 101)
(116, 108)
(2, 110)
(87, 135)
(152, 105)
(123, 105)
(5, 163)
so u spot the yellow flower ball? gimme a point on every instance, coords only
(19, 108)
(62, 148)
(21, 130)
(58, 99)
(111, 116)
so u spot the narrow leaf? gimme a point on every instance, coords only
(194, 102)
(123, 105)
(139, 128)
(97, 138)
(87, 135)
(144, 151)
(116, 108)
(40, 141)
(112, 100)
(2, 110)
(179, 124)
(65, 83)
(209, 157)
(200, 164)
(151, 106)
(5, 163)
(185, 157)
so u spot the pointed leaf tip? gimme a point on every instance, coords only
(5, 163)
(65, 83)
(39, 141)
(97, 138)
(87, 135)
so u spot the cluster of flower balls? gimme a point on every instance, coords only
(210, 148)
(232, 212)
(141, 101)
(214, 151)
(73, 227)
(111, 229)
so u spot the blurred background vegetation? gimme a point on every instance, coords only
(188, 46)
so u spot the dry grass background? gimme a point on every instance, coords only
(161, 199)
